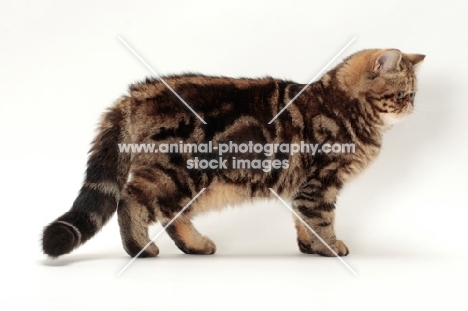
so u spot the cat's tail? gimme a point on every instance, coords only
(106, 174)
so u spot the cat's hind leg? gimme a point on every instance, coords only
(188, 239)
(135, 214)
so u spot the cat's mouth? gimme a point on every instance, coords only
(391, 118)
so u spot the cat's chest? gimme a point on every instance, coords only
(356, 162)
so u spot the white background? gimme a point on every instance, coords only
(404, 219)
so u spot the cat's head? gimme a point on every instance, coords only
(384, 79)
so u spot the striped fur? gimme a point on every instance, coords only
(353, 103)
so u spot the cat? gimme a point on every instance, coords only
(356, 102)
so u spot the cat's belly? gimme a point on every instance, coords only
(220, 195)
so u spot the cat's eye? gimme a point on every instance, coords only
(400, 95)
(411, 95)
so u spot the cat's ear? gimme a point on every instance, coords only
(415, 58)
(388, 60)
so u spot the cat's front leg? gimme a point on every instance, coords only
(319, 214)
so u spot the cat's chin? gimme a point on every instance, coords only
(390, 119)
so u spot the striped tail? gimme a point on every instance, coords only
(106, 174)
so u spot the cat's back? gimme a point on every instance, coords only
(188, 84)
(219, 101)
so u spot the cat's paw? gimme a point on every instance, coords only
(135, 250)
(205, 246)
(338, 247)
(210, 247)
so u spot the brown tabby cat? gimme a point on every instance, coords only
(353, 103)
